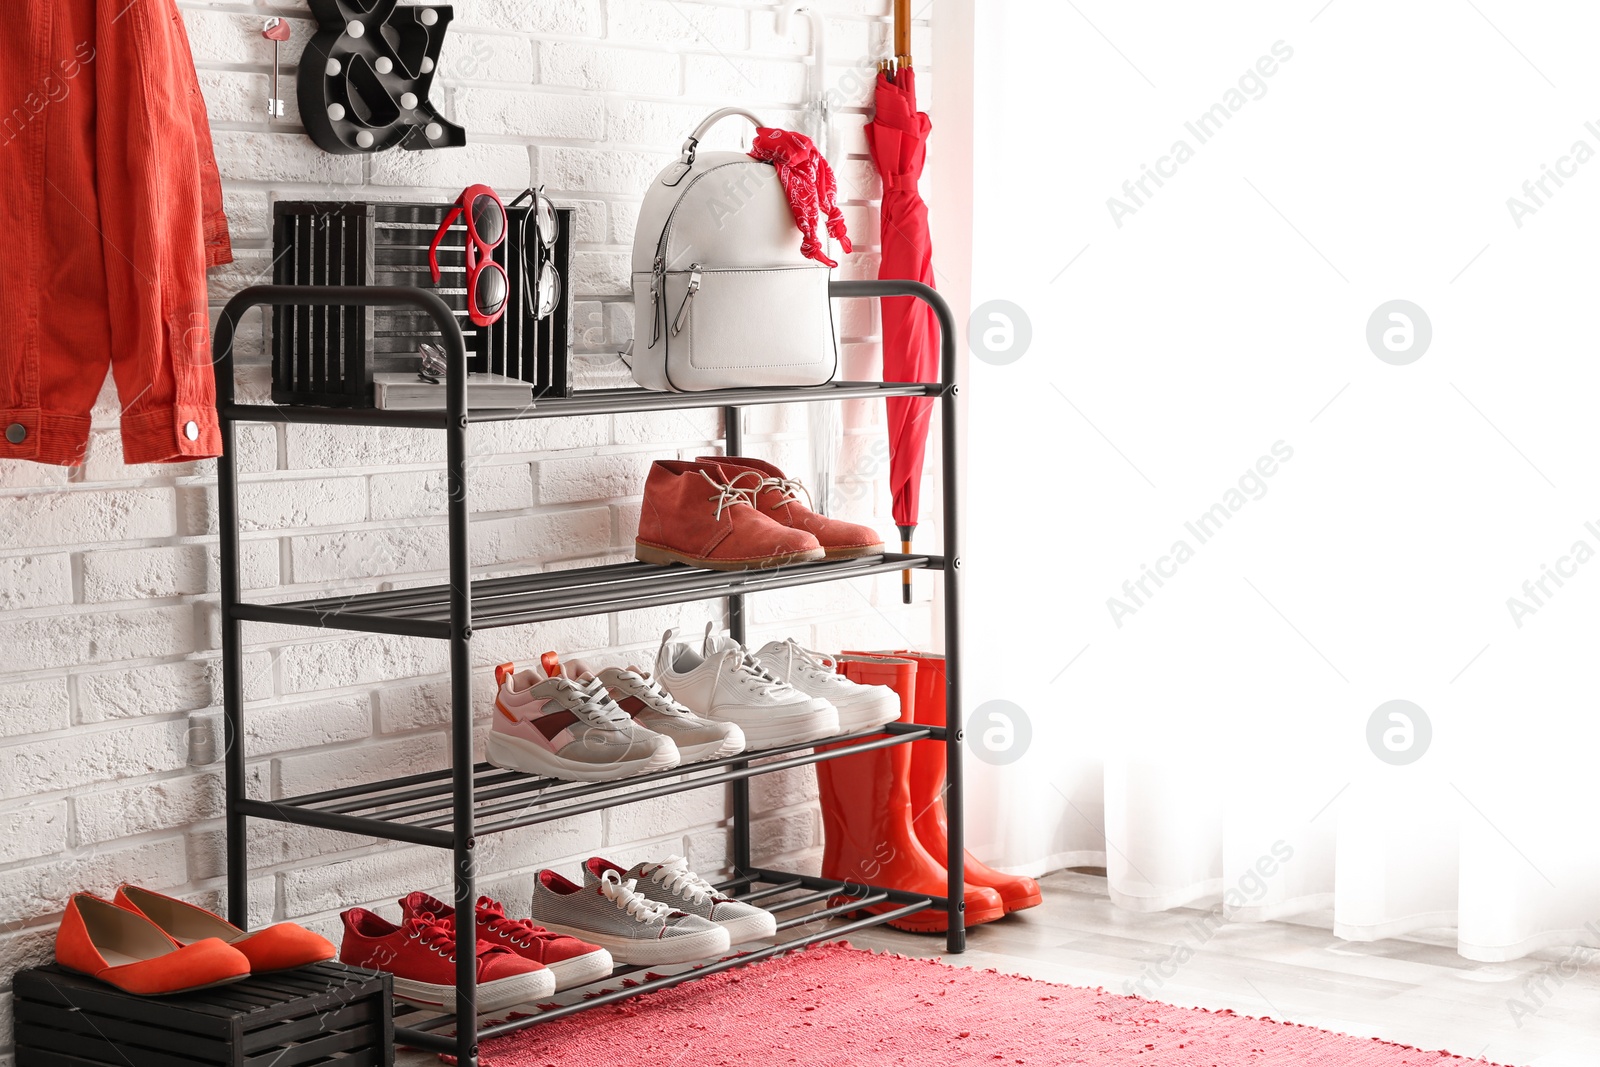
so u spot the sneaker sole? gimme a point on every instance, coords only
(515, 754)
(581, 970)
(759, 735)
(493, 996)
(759, 927)
(730, 746)
(854, 719)
(686, 948)
(666, 556)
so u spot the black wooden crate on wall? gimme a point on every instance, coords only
(325, 1015)
(328, 355)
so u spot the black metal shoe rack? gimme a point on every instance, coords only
(451, 809)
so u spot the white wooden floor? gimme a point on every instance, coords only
(1415, 992)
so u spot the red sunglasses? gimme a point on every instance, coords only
(487, 284)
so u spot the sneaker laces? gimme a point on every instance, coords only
(814, 665)
(650, 691)
(748, 671)
(520, 932)
(673, 874)
(590, 702)
(433, 934)
(627, 898)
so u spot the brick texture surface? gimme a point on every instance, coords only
(110, 687)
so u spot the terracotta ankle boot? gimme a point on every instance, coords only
(866, 817)
(691, 515)
(777, 496)
(927, 788)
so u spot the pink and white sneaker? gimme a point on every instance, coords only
(559, 728)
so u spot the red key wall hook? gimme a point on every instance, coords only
(276, 31)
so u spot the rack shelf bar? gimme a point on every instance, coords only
(733, 774)
(433, 798)
(297, 615)
(517, 600)
(811, 881)
(587, 402)
(350, 824)
(429, 783)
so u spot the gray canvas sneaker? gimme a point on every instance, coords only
(671, 882)
(609, 912)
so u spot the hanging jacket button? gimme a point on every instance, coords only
(16, 433)
(191, 431)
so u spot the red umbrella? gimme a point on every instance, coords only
(898, 139)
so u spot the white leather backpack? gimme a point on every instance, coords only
(723, 296)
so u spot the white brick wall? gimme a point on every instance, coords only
(109, 691)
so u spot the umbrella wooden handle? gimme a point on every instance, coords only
(902, 31)
(905, 576)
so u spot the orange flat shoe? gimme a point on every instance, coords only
(124, 949)
(275, 948)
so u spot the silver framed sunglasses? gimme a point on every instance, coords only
(434, 364)
(543, 289)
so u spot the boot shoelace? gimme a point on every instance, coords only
(791, 488)
(726, 496)
(674, 875)
(628, 899)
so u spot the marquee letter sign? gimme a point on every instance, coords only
(364, 78)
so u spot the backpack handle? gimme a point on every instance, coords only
(693, 143)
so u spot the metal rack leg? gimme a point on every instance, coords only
(232, 681)
(733, 436)
(466, 893)
(462, 718)
(955, 862)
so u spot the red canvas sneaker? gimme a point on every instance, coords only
(692, 515)
(572, 962)
(777, 496)
(421, 954)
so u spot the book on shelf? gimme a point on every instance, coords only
(407, 392)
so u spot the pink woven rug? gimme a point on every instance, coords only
(834, 1004)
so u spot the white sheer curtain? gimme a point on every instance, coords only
(1200, 693)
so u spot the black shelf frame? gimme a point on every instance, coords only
(451, 808)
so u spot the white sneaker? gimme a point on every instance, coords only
(861, 707)
(653, 708)
(723, 682)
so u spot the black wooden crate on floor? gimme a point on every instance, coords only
(326, 1014)
(327, 355)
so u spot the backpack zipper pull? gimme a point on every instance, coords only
(657, 277)
(688, 297)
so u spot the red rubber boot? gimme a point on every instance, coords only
(866, 817)
(927, 788)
